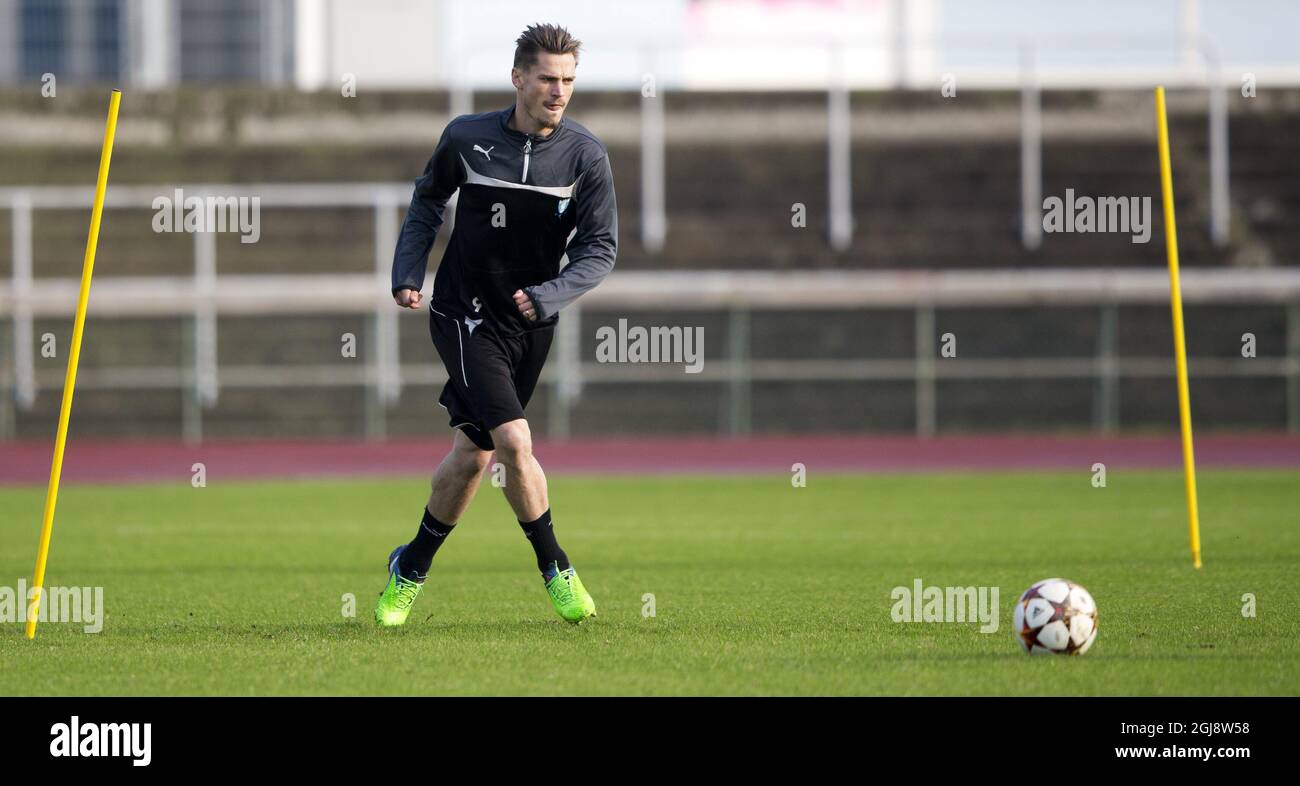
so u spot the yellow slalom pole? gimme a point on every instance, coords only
(1180, 343)
(70, 381)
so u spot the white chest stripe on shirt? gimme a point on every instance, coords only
(474, 178)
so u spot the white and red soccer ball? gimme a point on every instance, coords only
(1055, 617)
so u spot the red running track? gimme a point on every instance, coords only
(90, 461)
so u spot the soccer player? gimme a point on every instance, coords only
(534, 186)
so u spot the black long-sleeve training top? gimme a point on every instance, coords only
(521, 196)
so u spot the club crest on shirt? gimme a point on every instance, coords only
(561, 207)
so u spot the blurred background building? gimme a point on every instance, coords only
(918, 138)
(725, 44)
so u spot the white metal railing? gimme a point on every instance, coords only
(1031, 141)
(205, 294)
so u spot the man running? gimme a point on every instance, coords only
(528, 179)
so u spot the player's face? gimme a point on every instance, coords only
(546, 87)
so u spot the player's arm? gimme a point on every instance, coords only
(442, 176)
(592, 249)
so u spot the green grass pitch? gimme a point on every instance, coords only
(759, 587)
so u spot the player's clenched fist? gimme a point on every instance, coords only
(525, 305)
(407, 298)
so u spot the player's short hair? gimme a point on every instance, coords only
(551, 39)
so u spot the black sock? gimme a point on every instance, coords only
(418, 555)
(541, 534)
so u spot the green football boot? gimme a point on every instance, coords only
(396, 599)
(569, 597)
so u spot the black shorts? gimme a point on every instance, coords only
(490, 377)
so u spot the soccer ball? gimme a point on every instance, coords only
(1055, 617)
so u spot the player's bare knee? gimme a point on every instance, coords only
(472, 461)
(514, 442)
(467, 460)
(481, 459)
